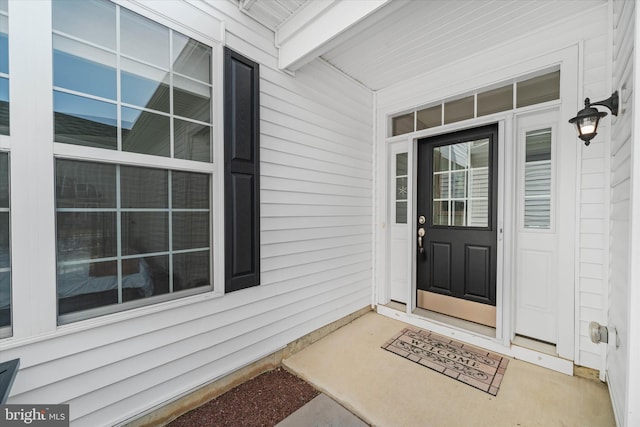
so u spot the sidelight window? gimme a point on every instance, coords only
(401, 187)
(537, 179)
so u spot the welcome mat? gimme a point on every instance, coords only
(463, 362)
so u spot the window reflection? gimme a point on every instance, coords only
(5, 258)
(145, 132)
(161, 79)
(83, 68)
(145, 86)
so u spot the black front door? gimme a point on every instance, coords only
(457, 223)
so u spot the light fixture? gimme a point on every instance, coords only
(587, 119)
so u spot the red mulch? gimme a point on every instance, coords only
(262, 401)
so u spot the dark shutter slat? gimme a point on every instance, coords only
(241, 172)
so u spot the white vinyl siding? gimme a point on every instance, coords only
(316, 242)
(623, 138)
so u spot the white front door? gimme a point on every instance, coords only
(538, 269)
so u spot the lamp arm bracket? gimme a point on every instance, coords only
(611, 103)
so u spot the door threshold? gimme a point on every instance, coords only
(466, 325)
(395, 305)
(537, 345)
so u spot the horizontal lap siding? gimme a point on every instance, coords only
(316, 257)
(622, 138)
(593, 202)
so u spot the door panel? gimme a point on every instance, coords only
(538, 236)
(456, 205)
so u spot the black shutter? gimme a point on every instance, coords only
(241, 171)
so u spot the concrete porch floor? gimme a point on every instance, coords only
(384, 389)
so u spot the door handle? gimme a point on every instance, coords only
(421, 234)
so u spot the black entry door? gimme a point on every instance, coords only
(457, 214)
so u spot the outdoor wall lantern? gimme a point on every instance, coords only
(587, 119)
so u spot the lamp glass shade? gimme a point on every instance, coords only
(588, 125)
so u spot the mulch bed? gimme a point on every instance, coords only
(262, 401)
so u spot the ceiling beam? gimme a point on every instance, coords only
(317, 27)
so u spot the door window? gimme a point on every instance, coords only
(461, 184)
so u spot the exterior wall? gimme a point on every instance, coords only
(316, 257)
(521, 54)
(624, 182)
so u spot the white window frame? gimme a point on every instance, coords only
(33, 155)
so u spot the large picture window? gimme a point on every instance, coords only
(123, 82)
(137, 229)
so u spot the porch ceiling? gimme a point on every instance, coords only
(404, 38)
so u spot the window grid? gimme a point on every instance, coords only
(398, 122)
(140, 87)
(171, 73)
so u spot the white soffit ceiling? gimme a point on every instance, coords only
(405, 38)
(271, 13)
(425, 34)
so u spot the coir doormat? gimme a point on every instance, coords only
(463, 362)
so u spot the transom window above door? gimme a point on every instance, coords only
(485, 101)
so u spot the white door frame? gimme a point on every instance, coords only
(568, 317)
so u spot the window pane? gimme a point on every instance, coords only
(143, 187)
(461, 109)
(144, 39)
(496, 100)
(4, 5)
(90, 20)
(145, 232)
(85, 185)
(5, 298)
(441, 186)
(537, 179)
(538, 145)
(460, 156)
(4, 180)
(402, 124)
(83, 121)
(429, 117)
(401, 188)
(83, 68)
(401, 212)
(86, 235)
(157, 268)
(479, 153)
(401, 164)
(190, 230)
(191, 99)
(4, 45)
(189, 190)
(144, 86)
(441, 213)
(4, 240)
(191, 270)
(441, 159)
(458, 184)
(536, 213)
(192, 141)
(538, 89)
(4, 106)
(459, 214)
(144, 132)
(85, 286)
(191, 58)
